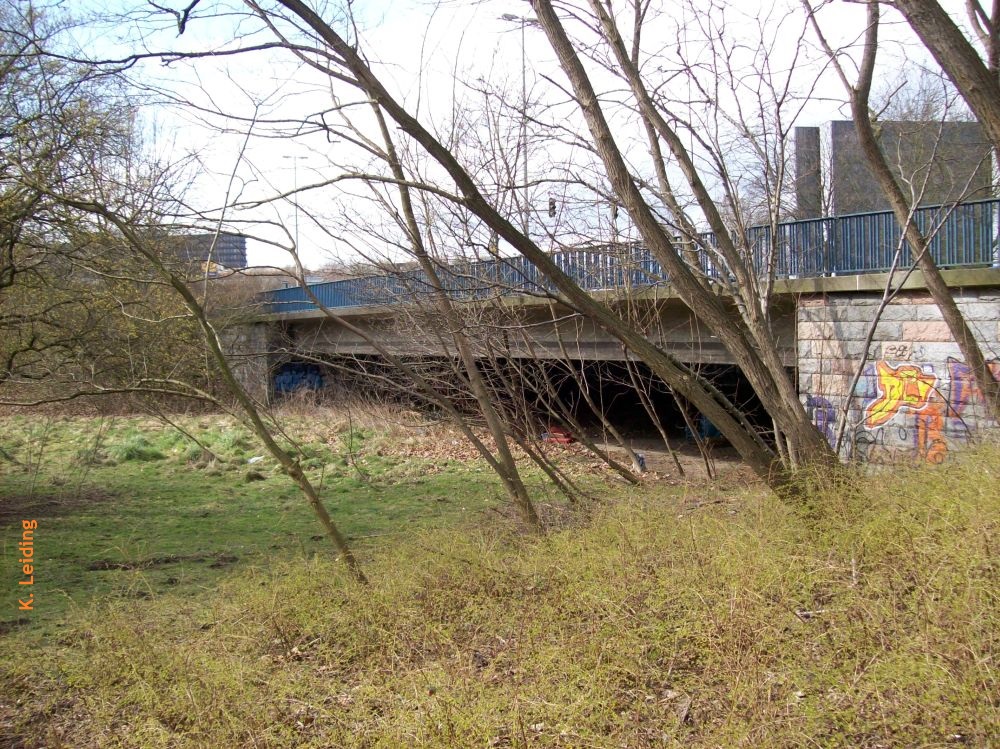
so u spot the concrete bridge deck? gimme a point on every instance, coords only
(842, 255)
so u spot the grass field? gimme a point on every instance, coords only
(132, 508)
(668, 615)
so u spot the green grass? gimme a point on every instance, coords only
(697, 617)
(134, 446)
(133, 509)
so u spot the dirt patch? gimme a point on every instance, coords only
(217, 559)
(48, 504)
(441, 442)
(9, 625)
(726, 461)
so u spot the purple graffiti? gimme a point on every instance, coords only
(823, 415)
(963, 390)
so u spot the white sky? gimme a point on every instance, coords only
(420, 49)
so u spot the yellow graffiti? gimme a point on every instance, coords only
(904, 387)
(908, 388)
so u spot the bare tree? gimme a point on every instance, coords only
(975, 77)
(902, 206)
(88, 199)
(718, 274)
(753, 347)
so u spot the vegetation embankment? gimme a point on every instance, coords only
(693, 616)
(132, 508)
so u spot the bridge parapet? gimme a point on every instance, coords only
(962, 235)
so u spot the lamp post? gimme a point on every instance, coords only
(525, 207)
(295, 190)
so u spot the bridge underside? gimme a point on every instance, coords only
(537, 331)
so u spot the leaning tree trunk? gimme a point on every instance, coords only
(919, 247)
(958, 59)
(509, 474)
(731, 422)
(747, 339)
(246, 403)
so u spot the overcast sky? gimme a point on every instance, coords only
(426, 53)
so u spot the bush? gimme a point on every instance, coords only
(135, 447)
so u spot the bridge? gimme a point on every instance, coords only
(963, 235)
(829, 275)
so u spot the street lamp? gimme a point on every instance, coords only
(525, 209)
(295, 180)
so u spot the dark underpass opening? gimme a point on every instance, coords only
(570, 394)
(630, 397)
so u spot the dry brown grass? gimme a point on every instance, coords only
(698, 620)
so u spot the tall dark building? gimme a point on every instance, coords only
(808, 173)
(230, 250)
(944, 162)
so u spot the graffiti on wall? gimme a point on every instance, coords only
(909, 410)
(823, 415)
(963, 391)
(908, 395)
(901, 351)
(906, 387)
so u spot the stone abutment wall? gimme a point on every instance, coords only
(914, 398)
(248, 348)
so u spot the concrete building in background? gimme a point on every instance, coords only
(949, 162)
(230, 250)
(808, 173)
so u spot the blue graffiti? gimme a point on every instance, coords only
(296, 376)
(823, 415)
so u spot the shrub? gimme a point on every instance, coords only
(135, 447)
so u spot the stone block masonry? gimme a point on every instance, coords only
(247, 347)
(915, 398)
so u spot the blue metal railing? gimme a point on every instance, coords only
(964, 235)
